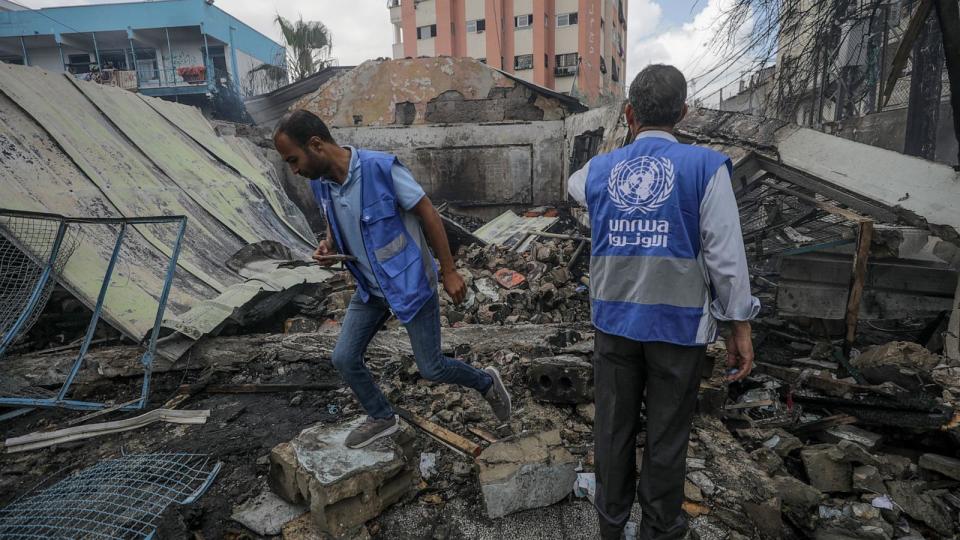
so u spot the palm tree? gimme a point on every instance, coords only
(308, 46)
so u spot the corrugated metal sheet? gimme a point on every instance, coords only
(267, 109)
(81, 149)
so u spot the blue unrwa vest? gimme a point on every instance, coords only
(647, 278)
(399, 266)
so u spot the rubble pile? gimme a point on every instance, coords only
(538, 286)
(849, 459)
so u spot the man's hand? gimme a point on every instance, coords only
(324, 250)
(454, 285)
(740, 351)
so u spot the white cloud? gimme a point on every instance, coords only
(692, 47)
(644, 18)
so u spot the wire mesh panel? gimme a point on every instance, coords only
(32, 251)
(774, 221)
(35, 248)
(117, 498)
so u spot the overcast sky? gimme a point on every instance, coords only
(679, 32)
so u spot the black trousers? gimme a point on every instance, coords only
(670, 375)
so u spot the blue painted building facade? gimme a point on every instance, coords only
(161, 48)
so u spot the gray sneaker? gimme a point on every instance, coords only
(370, 430)
(497, 396)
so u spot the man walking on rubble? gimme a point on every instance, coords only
(667, 263)
(377, 213)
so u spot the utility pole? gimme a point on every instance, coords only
(923, 111)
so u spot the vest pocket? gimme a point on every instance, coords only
(391, 246)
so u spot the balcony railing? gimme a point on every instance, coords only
(121, 78)
(565, 71)
(145, 79)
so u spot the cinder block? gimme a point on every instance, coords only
(343, 487)
(560, 379)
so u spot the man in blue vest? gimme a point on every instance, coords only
(667, 264)
(376, 212)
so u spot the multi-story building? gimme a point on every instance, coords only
(576, 47)
(171, 48)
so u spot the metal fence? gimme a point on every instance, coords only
(34, 249)
(116, 498)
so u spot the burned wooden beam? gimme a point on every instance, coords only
(442, 434)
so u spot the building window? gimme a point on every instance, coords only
(603, 65)
(523, 21)
(615, 70)
(427, 32)
(476, 26)
(482, 60)
(566, 19)
(566, 65)
(79, 63)
(523, 61)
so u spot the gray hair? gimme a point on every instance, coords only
(657, 95)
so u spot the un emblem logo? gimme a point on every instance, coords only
(644, 183)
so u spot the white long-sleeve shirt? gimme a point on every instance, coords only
(721, 241)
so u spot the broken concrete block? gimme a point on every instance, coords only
(266, 514)
(826, 472)
(301, 325)
(864, 438)
(796, 494)
(304, 528)
(894, 466)
(903, 363)
(867, 479)
(343, 487)
(531, 471)
(944, 465)
(702, 481)
(925, 506)
(508, 279)
(560, 379)
(768, 460)
(587, 412)
(691, 492)
(851, 452)
(779, 440)
(766, 516)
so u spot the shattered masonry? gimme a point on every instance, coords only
(815, 443)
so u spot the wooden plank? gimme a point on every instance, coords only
(483, 434)
(864, 236)
(96, 414)
(442, 434)
(559, 236)
(42, 439)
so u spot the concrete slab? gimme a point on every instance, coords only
(344, 488)
(266, 514)
(531, 471)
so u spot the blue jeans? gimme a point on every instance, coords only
(362, 322)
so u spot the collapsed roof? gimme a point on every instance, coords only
(81, 149)
(433, 91)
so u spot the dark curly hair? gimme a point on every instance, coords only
(657, 95)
